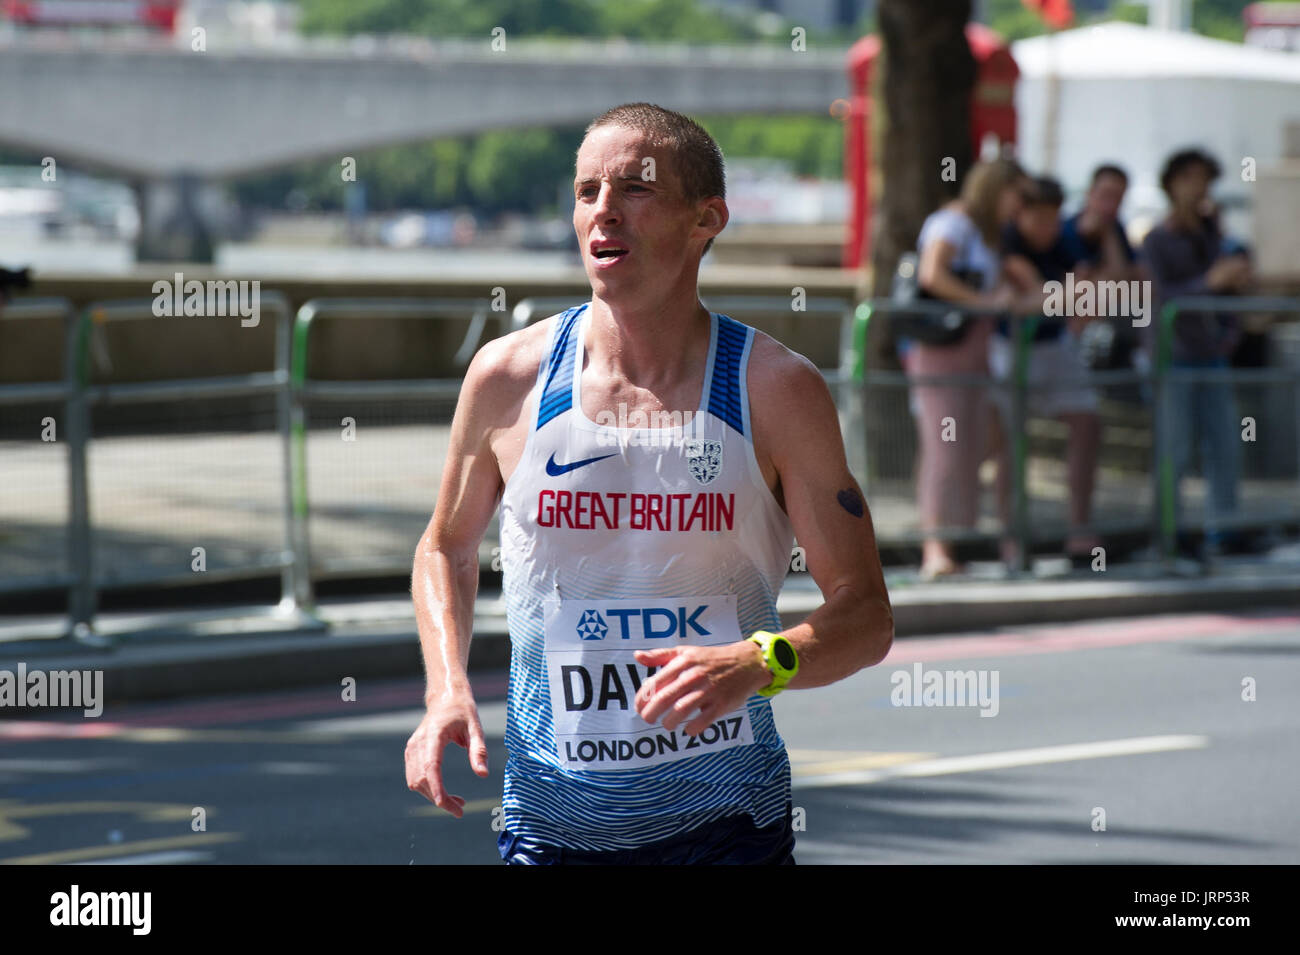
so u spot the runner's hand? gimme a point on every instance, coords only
(714, 680)
(452, 721)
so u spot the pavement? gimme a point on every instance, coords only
(194, 652)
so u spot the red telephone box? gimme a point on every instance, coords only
(993, 110)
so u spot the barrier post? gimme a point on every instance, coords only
(82, 595)
(849, 394)
(297, 580)
(1021, 330)
(1162, 470)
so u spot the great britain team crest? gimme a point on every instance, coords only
(703, 458)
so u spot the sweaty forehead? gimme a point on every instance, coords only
(613, 150)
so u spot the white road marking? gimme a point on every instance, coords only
(947, 765)
(152, 858)
(58, 765)
(283, 768)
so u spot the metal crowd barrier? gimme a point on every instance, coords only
(371, 505)
(880, 465)
(1147, 409)
(1202, 394)
(135, 552)
(102, 553)
(30, 563)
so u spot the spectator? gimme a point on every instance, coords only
(958, 263)
(1187, 255)
(1035, 252)
(1094, 237)
(1098, 243)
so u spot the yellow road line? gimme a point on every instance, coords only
(124, 848)
(144, 811)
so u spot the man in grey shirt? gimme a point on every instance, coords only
(1187, 255)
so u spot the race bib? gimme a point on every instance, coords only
(593, 678)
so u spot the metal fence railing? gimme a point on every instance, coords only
(368, 450)
(317, 451)
(1134, 490)
(37, 549)
(1246, 422)
(178, 480)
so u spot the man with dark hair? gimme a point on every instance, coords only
(1095, 237)
(641, 564)
(1035, 253)
(1187, 255)
(1184, 160)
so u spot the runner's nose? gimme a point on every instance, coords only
(606, 208)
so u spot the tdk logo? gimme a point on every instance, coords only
(647, 623)
(592, 626)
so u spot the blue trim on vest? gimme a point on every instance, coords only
(724, 393)
(557, 393)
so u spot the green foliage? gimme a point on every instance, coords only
(633, 19)
(1129, 12)
(1220, 19)
(1013, 20)
(813, 145)
(1216, 18)
(522, 169)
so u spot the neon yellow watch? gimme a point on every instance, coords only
(780, 657)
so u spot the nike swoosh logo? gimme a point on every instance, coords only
(555, 470)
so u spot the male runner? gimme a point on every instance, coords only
(638, 561)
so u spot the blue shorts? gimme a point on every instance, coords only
(733, 840)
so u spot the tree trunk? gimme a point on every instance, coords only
(920, 118)
(923, 108)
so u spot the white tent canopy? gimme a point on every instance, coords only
(1130, 94)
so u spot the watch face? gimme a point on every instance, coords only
(784, 653)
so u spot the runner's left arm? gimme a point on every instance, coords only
(797, 431)
(801, 453)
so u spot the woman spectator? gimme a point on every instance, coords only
(958, 262)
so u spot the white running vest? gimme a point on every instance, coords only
(617, 538)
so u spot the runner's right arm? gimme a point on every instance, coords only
(444, 580)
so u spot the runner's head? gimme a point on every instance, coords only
(651, 183)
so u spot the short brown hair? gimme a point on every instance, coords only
(698, 159)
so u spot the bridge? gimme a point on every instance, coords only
(169, 118)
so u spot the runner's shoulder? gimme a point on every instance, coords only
(777, 373)
(791, 408)
(504, 370)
